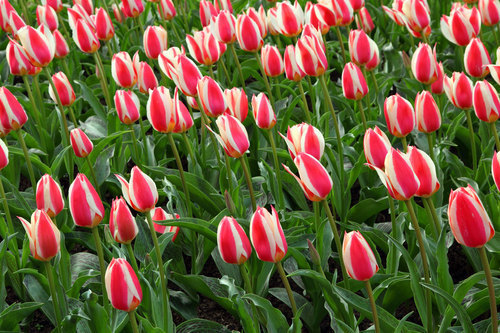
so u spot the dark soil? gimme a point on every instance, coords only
(459, 267)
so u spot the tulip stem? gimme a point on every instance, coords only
(405, 144)
(134, 144)
(246, 279)
(100, 254)
(431, 146)
(316, 216)
(181, 174)
(228, 173)
(36, 113)
(53, 293)
(278, 90)
(394, 262)
(92, 174)
(187, 143)
(304, 102)
(264, 77)
(36, 85)
(25, 12)
(238, 65)
(423, 255)
(133, 321)
(374, 80)
(102, 76)
(161, 270)
(495, 134)
(10, 227)
(61, 108)
(176, 33)
(373, 305)
(341, 42)
(362, 112)
(226, 73)
(491, 289)
(281, 198)
(131, 257)
(472, 141)
(211, 71)
(288, 289)
(248, 178)
(311, 92)
(435, 217)
(431, 215)
(27, 158)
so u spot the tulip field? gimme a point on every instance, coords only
(249, 166)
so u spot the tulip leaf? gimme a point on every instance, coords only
(276, 321)
(200, 325)
(89, 96)
(200, 226)
(15, 313)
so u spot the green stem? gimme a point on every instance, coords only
(107, 96)
(92, 174)
(228, 172)
(161, 270)
(27, 158)
(39, 97)
(431, 146)
(131, 258)
(341, 42)
(393, 234)
(10, 227)
(226, 73)
(278, 90)
(281, 198)
(59, 103)
(212, 136)
(429, 213)
(176, 32)
(288, 289)
(264, 77)
(248, 178)
(181, 174)
(316, 216)
(65, 67)
(36, 113)
(405, 144)
(144, 139)
(362, 112)
(246, 279)
(374, 80)
(134, 144)
(373, 305)
(304, 102)
(311, 92)
(133, 321)
(211, 71)
(495, 134)
(53, 293)
(187, 144)
(102, 264)
(472, 141)
(491, 289)
(25, 12)
(238, 65)
(434, 214)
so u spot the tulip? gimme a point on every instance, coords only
(62, 47)
(259, 17)
(486, 102)
(86, 4)
(399, 115)
(353, 82)
(468, 219)
(160, 110)
(424, 64)
(40, 48)
(490, 12)
(192, 102)
(64, 89)
(271, 60)
(166, 9)
(310, 56)
(43, 236)
(361, 47)
(365, 21)
(155, 41)
(122, 286)
(122, 70)
(476, 59)
(304, 138)
(211, 97)
(427, 113)
(127, 106)
(248, 34)
(223, 27)
(343, 11)
(232, 241)
(223, 5)
(495, 169)
(263, 112)
(183, 119)
(207, 11)
(77, 13)
(146, 78)
(5, 10)
(167, 58)
(122, 224)
(4, 155)
(140, 193)
(237, 103)
(292, 70)
(289, 19)
(186, 75)
(320, 16)
(84, 203)
(82, 146)
(104, 28)
(17, 59)
(85, 37)
(359, 259)
(48, 16)
(158, 214)
(55, 4)
(49, 196)
(418, 14)
(425, 170)
(117, 13)
(12, 114)
(132, 8)
(267, 235)
(459, 90)
(438, 86)
(376, 145)
(16, 23)
(233, 136)
(462, 25)
(204, 47)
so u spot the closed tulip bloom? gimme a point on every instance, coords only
(490, 11)
(375, 60)
(17, 59)
(361, 47)
(4, 155)
(357, 4)
(207, 10)
(359, 259)
(155, 41)
(495, 169)
(159, 214)
(104, 28)
(43, 236)
(304, 138)
(310, 56)
(486, 102)
(399, 115)
(55, 4)
(462, 25)
(76, 13)
(64, 89)
(459, 90)
(263, 112)
(62, 47)
(365, 22)
(84, 203)
(425, 170)
(127, 106)
(424, 64)
(183, 119)
(160, 110)
(223, 5)
(192, 103)
(122, 224)
(267, 235)
(237, 103)
(289, 19)
(292, 70)
(427, 112)
(166, 9)
(211, 97)
(117, 12)
(376, 145)
(354, 84)
(132, 8)
(16, 22)
(343, 11)
(85, 37)
(259, 17)
(48, 16)
(140, 192)
(82, 146)
(320, 16)
(5, 10)
(313, 177)
(438, 86)
(12, 114)
(122, 285)
(468, 219)
(39, 48)
(146, 78)
(271, 60)
(232, 136)
(223, 27)
(122, 70)
(417, 13)
(232, 241)
(476, 59)
(186, 75)
(248, 34)
(167, 59)
(203, 47)
(86, 4)
(49, 196)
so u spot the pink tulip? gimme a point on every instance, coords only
(354, 84)
(62, 47)
(376, 145)
(476, 59)
(358, 257)
(248, 34)
(232, 136)
(427, 113)
(232, 241)
(84, 203)
(204, 47)
(49, 196)
(185, 74)
(12, 114)
(462, 25)
(304, 138)
(64, 89)
(17, 59)
(267, 235)
(122, 285)
(320, 16)
(237, 103)
(207, 11)
(425, 170)
(211, 97)
(155, 41)
(132, 8)
(365, 22)
(399, 115)
(82, 146)
(438, 86)
(166, 9)
(223, 27)
(48, 16)
(459, 90)
(122, 70)
(271, 60)
(160, 110)
(490, 12)
(104, 28)
(424, 64)
(361, 47)
(263, 112)
(310, 56)
(495, 169)
(158, 214)
(289, 19)
(122, 224)
(127, 106)
(4, 155)
(292, 70)
(140, 193)
(40, 48)
(43, 236)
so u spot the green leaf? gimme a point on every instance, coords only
(199, 325)
(276, 321)
(89, 96)
(15, 313)
(202, 227)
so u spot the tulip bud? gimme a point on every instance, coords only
(365, 22)
(427, 113)
(12, 114)
(127, 106)
(40, 48)
(82, 146)
(359, 259)
(5, 10)
(495, 169)
(17, 59)
(248, 34)
(84, 203)
(376, 145)
(186, 75)
(55, 4)
(121, 222)
(87, 5)
(459, 90)
(320, 16)
(117, 12)
(132, 8)
(462, 25)
(343, 11)
(490, 12)
(271, 60)
(289, 19)
(64, 89)
(43, 236)
(353, 82)
(167, 58)
(263, 112)
(476, 59)
(486, 102)
(237, 103)
(85, 37)
(267, 235)
(104, 28)
(203, 47)
(122, 286)
(292, 70)
(158, 214)
(166, 9)
(155, 41)
(48, 16)
(223, 27)
(16, 23)
(399, 115)
(122, 70)
(310, 56)
(4, 155)
(425, 170)
(192, 102)
(146, 78)
(207, 11)
(417, 14)
(468, 219)
(62, 48)
(438, 86)
(361, 47)
(304, 138)
(76, 13)
(183, 119)
(259, 17)
(211, 97)
(160, 110)
(232, 241)
(140, 193)
(233, 136)
(49, 196)
(424, 64)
